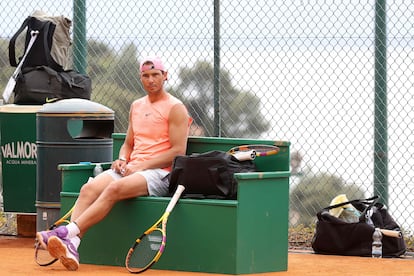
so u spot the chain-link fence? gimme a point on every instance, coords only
(302, 71)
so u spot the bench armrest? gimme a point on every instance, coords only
(75, 175)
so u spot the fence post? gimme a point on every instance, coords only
(79, 36)
(380, 135)
(217, 119)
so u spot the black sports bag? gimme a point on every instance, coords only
(208, 175)
(42, 84)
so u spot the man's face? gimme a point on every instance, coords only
(153, 80)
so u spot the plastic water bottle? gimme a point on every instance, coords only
(98, 169)
(377, 244)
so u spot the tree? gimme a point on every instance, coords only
(240, 110)
(100, 60)
(115, 79)
(315, 192)
(126, 72)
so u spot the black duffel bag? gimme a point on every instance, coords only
(42, 84)
(208, 175)
(335, 236)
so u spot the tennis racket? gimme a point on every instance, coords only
(250, 152)
(42, 256)
(12, 81)
(148, 248)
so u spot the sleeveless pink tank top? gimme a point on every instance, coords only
(149, 123)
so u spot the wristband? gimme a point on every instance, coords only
(122, 159)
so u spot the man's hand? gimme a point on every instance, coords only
(119, 166)
(130, 169)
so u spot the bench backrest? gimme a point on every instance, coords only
(196, 144)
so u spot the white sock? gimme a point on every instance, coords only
(75, 241)
(73, 230)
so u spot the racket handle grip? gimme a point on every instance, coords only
(245, 155)
(175, 198)
(391, 233)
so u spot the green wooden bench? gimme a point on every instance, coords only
(247, 235)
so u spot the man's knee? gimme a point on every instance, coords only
(112, 191)
(90, 190)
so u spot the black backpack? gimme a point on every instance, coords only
(51, 47)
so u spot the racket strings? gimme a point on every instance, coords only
(42, 256)
(146, 251)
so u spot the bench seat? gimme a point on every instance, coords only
(247, 235)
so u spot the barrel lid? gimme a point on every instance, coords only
(75, 106)
(14, 108)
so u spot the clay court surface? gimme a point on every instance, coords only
(16, 258)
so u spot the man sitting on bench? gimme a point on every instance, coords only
(157, 132)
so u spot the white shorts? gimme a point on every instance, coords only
(157, 180)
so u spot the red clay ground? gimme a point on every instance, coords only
(16, 258)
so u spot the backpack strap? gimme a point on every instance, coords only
(49, 61)
(12, 44)
(368, 201)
